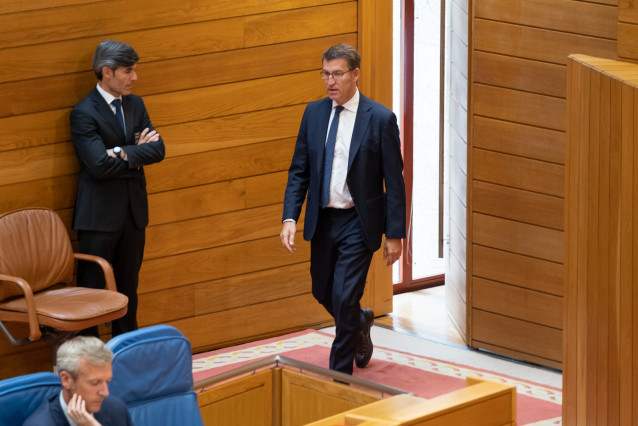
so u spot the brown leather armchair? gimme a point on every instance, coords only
(36, 271)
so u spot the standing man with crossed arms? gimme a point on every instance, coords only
(113, 139)
(348, 149)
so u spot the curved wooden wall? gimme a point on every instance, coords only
(225, 83)
(516, 156)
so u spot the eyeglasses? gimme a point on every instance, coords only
(337, 75)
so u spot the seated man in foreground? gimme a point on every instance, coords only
(84, 366)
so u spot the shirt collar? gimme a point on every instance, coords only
(106, 95)
(352, 104)
(65, 410)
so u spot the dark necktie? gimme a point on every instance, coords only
(328, 157)
(118, 112)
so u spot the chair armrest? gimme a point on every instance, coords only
(106, 268)
(32, 313)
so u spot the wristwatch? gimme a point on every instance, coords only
(117, 151)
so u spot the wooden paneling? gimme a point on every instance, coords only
(527, 338)
(226, 84)
(520, 107)
(517, 237)
(218, 262)
(247, 401)
(537, 43)
(532, 306)
(250, 322)
(627, 30)
(518, 139)
(574, 17)
(520, 74)
(64, 23)
(601, 330)
(516, 172)
(305, 399)
(513, 203)
(169, 76)
(519, 270)
(479, 403)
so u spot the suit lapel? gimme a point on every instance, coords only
(361, 123)
(55, 409)
(106, 112)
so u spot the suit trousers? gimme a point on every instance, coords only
(339, 263)
(124, 250)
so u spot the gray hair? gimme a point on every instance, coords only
(90, 349)
(345, 51)
(113, 54)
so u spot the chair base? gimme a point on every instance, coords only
(13, 340)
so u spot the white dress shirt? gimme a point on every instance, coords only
(65, 410)
(109, 98)
(340, 197)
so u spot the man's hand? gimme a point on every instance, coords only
(77, 412)
(148, 136)
(392, 250)
(288, 236)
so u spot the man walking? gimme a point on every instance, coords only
(347, 165)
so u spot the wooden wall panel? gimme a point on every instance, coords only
(574, 17)
(499, 331)
(520, 74)
(168, 76)
(627, 30)
(246, 401)
(522, 271)
(518, 139)
(516, 172)
(533, 306)
(226, 84)
(63, 24)
(520, 107)
(538, 43)
(517, 237)
(600, 380)
(513, 203)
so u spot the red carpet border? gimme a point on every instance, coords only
(537, 404)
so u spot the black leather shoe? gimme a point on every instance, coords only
(364, 342)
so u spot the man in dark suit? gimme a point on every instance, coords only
(113, 139)
(347, 150)
(84, 366)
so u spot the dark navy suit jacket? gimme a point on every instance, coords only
(112, 413)
(374, 160)
(108, 186)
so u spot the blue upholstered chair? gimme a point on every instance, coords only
(20, 396)
(152, 373)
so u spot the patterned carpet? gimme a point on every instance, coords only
(537, 404)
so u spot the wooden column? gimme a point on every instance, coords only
(601, 302)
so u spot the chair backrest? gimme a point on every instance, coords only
(21, 396)
(34, 246)
(152, 373)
